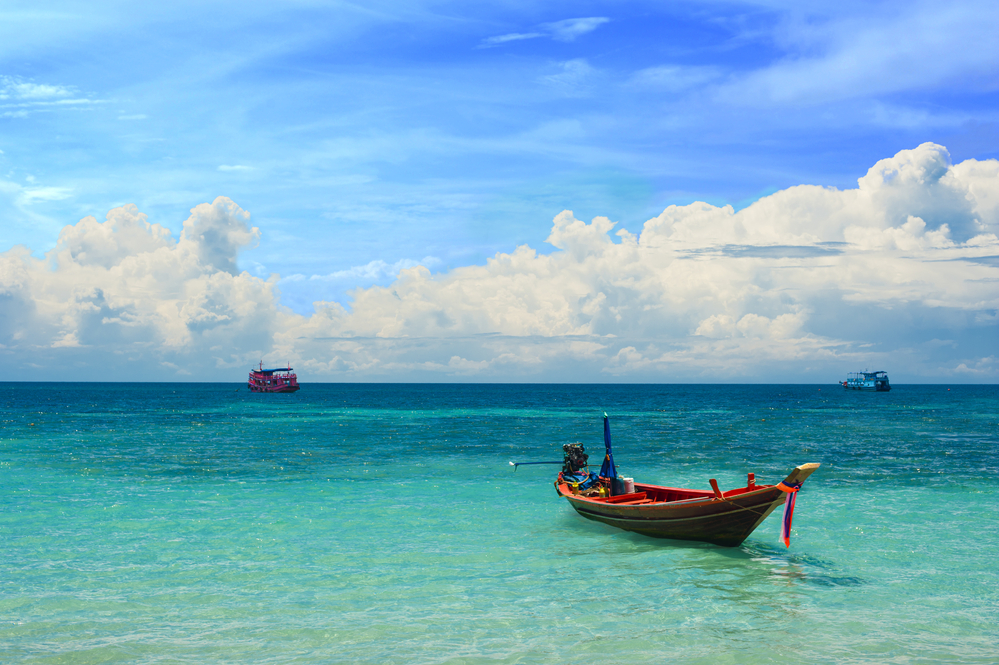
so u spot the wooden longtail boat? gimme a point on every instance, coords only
(711, 516)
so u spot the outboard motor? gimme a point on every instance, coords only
(574, 460)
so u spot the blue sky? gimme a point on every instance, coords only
(363, 139)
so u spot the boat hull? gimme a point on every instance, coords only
(725, 519)
(720, 522)
(270, 389)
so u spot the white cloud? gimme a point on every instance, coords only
(571, 28)
(29, 195)
(22, 97)
(373, 270)
(126, 284)
(809, 277)
(16, 88)
(234, 167)
(571, 78)
(925, 45)
(217, 232)
(674, 78)
(510, 37)
(567, 30)
(982, 366)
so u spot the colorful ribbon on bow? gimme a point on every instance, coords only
(791, 489)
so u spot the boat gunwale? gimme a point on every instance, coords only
(563, 490)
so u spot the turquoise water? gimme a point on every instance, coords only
(167, 523)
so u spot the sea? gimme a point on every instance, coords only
(383, 523)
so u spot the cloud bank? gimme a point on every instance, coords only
(900, 273)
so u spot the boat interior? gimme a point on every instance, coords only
(657, 494)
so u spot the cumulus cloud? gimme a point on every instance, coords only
(125, 287)
(216, 232)
(805, 284)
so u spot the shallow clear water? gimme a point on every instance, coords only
(383, 524)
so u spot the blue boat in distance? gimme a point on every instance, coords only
(874, 381)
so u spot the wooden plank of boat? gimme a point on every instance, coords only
(721, 518)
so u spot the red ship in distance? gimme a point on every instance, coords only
(277, 380)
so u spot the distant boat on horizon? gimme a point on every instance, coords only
(873, 381)
(277, 380)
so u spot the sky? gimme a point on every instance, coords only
(519, 192)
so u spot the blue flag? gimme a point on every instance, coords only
(607, 469)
